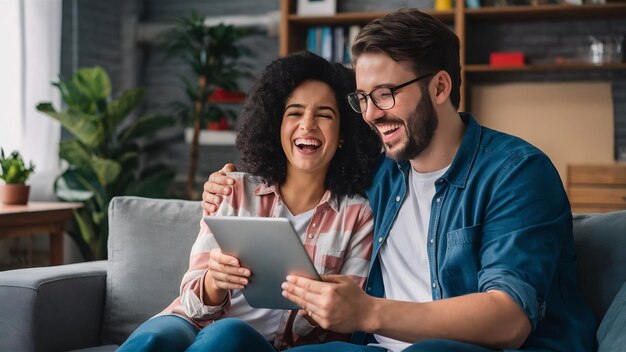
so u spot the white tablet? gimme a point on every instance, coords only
(270, 248)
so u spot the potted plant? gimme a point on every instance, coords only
(212, 54)
(15, 173)
(106, 156)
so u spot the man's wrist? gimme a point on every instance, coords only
(371, 320)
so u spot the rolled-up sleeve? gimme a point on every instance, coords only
(192, 285)
(527, 221)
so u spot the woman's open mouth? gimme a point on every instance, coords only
(307, 145)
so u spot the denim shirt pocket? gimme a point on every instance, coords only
(461, 262)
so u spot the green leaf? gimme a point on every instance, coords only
(85, 227)
(103, 235)
(86, 128)
(75, 153)
(183, 112)
(74, 98)
(13, 168)
(98, 217)
(93, 82)
(154, 185)
(128, 158)
(79, 186)
(119, 108)
(146, 126)
(78, 155)
(106, 170)
(66, 193)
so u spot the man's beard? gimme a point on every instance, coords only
(420, 128)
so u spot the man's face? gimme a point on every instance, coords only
(407, 129)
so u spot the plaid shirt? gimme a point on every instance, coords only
(338, 240)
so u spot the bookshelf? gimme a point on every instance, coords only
(545, 67)
(547, 12)
(293, 31)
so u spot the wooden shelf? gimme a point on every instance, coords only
(294, 30)
(547, 12)
(597, 188)
(349, 18)
(545, 67)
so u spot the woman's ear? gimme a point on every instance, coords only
(442, 87)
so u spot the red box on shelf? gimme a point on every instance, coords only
(514, 58)
(221, 95)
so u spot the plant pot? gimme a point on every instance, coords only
(14, 194)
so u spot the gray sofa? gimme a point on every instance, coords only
(94, 306)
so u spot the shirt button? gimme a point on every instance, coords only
(380, 239)
(369, 288)
(310, 235)
(313, 224)
(397, 198)
(431, 241)
(438, 199)
(434, 285)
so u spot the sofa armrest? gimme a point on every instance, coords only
(52, 308)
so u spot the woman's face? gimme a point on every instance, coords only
(309, 132)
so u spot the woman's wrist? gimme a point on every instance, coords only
(213, 295)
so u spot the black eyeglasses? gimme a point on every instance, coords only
(382, 97)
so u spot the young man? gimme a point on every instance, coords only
(473, 247)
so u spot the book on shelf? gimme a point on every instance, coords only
(472, 4)
(311, 39)
(331, 42)
(327, 43)
(353, 31)
(339, 44)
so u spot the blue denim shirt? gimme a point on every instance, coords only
(501, 220)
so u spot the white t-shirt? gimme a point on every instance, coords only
(404, 253)
(266, 321)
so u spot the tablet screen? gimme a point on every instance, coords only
(270, 248)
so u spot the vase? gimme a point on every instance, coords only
(14, 194)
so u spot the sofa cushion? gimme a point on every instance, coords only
(600, 242)
(149, 245)
(612, 332)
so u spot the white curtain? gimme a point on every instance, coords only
(29, 63)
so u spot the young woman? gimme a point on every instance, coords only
(308, 157)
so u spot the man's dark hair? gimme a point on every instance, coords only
(258, 139)
(413, 36)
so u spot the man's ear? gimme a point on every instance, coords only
(442, 85)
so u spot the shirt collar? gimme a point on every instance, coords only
(460, 168)
(327, 198)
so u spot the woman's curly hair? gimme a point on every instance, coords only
(258, 138)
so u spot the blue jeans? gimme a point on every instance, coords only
(167, 333)
(171, 333)
(423, 346)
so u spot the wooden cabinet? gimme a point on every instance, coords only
(596, 188)
(293, 30)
